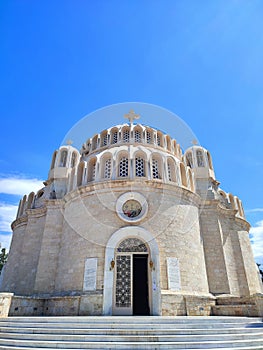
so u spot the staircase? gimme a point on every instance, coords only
(152, 332)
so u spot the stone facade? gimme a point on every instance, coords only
(131, 186)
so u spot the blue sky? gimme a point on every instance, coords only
(61, 60)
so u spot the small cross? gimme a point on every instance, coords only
(69, 142)
(195, 142)
(131, 116)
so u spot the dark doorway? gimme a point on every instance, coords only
(140, 285)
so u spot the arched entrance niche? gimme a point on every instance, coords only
(148, 258)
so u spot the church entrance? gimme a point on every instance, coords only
(131, 287)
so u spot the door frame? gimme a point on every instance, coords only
(154, 272)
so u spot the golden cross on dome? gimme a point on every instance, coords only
(131, 116)
(195, 142)
(69, 142)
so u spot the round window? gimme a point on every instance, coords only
(131, 206)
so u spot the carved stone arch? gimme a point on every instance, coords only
(53, 160)
(183, 174)
(153, 250)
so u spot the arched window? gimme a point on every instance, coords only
(80, 174)
(94, 142)
(156, 168)
(104, 139)
(183, 175)
(92, 170)
(137, 136)
(149, 136)
(189, 159)
(63, 158)
(232, 201)
(200, 158)
(107, 168)
(53, 160)
(132, 245)
(171, 174)
(114, 136)
(73, 159)
(126, 135)
(139, 166)
(123, 167)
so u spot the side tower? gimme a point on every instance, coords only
(231, 271)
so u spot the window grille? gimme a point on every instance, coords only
(123, 281)
(93, 171)
(132, 245)
(107, 169)
(169, 171)
(148, 137)
(158, 140)
(115, 137)
(105, 140)
(139, 167)
(155, 170)
(126, 136)
(137, 136)
(123, 167)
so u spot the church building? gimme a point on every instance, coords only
(131, 224)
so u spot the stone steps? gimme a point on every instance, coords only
(151, 332)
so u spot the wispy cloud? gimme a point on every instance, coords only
(5, 240)
(257, 241)
(7, 215)
(19, 185)
(256, 210)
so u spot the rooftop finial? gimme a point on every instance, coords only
(131, 116)
(195, 142)
(69, 142)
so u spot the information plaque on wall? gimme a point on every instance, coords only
(90, 274)
(173, 272)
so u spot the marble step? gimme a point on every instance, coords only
(257, 344)
(115, 331)
(132, 338)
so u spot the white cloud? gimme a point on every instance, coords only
(5, 240)
(256, 210)
(7, 215)
(257, 241)
(19, 186)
